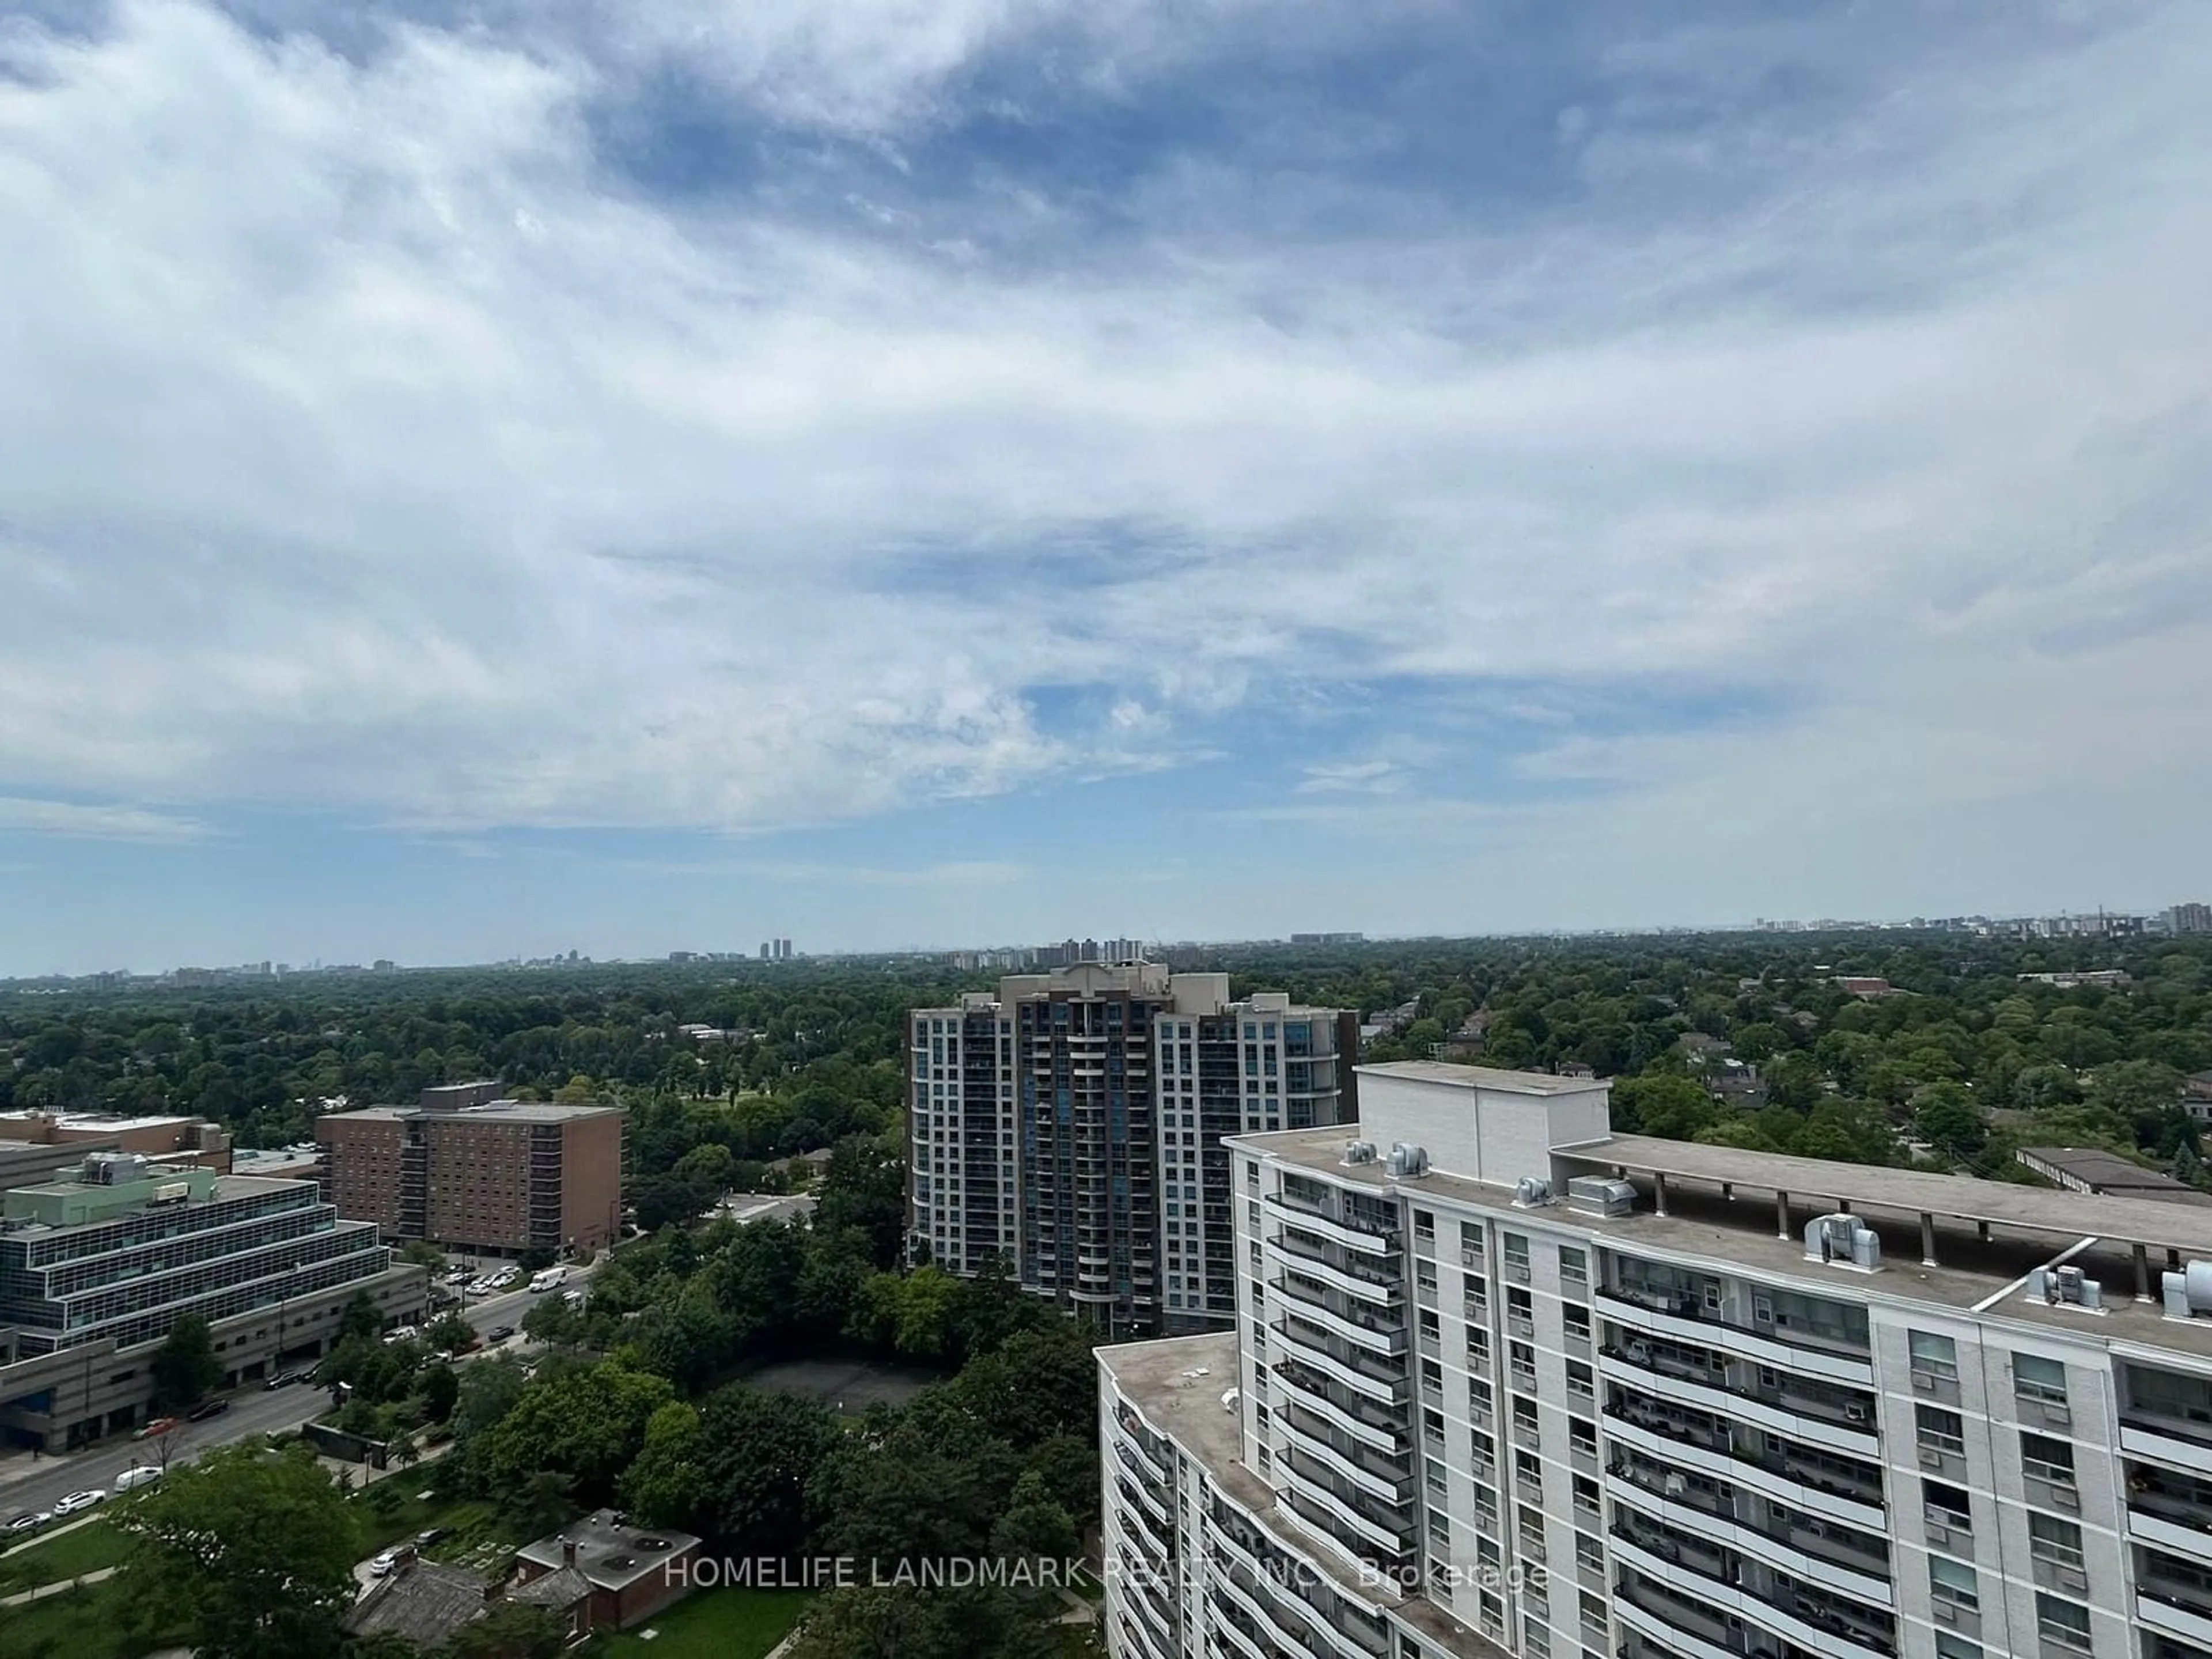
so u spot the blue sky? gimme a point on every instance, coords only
(496, 478)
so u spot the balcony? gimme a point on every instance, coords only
(1774, 1345)
(2184, 1442)
(1376, 1333)
(1298, 1215)
(1391, 1542)
(1376, 1379)
(1384, 1289)
(1389, 1478)
(1776, 1547)
(1787, 1611)
(2171, 1512)
(1771, 1475)
(1780, 1410)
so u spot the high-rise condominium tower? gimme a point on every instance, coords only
(1072, 1127)
(1504, 1382)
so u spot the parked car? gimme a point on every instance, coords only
(131, 1480)
(79, 1500)
(30, 1521)
(498, 1333)
(207, 1408)
(286, 1379)
(430, 1535)
(574, 1298)
(481, 1287)
(159, 1425)
(384, 1563)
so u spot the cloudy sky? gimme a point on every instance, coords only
(642, 474)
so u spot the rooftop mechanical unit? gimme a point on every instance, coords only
(1359, 1152)
(2188, 1294)
(1407, 1161)
(1597, 1196)
(1843, 1240)
(2067, 1287)
(1530, 1193)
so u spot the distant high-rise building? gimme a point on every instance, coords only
(783, 950)
(768, 949)
(1073, 1125)
(2189, 918)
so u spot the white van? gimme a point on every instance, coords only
(131, 1480)
(551, 1278)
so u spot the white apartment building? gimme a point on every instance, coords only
(1505, 1383)
(1075, 1126)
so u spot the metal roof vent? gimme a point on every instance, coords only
(1843, 1240)
(1359, 1152)
(2188, 1293)
(1530, 1193)
(2066, 1287)
(1407, 1161)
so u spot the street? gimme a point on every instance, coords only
(26, 1485)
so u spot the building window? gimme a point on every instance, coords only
(2034, 1377)
(1586, 1495)
(1516, 1254)
(1574, 1265)
(1470, 1243)
(1582, 1381)
(1948, 1646)
(1425, 1276)
(1953, 1582)
(1525, 1418)
(1520, 1361)
(2042, 1458)
(1575, 1322)
(1946, 1507)
(1424, 1225)
(1941, 1432)
(2056, 1540)
(1934, 1355)
(2061, 1621)
(1590, 1554)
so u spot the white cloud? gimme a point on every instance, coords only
(383, 457)
(72, 819)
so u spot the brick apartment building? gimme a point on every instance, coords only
(475, 1173)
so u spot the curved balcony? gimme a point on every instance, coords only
(1384, 1290)
(1390, 1480)
(1376, 1379)
(1350, 1238)
(1391, 1542)
(1758, 1545)
(1763, 1345)
(1376, 1333)
(1810, 1477)
(1351, 1414)
(1817, 1426)
(1803, 1622)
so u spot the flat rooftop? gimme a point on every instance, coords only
(1721, 1205)
(1481, 1076)
(610, 1550)
(495, 1111)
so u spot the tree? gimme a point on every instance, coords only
(666, 1486)
(421, 1252)
(251, 1550)
(508, 1630)
(1950, 1121)
(585, 1426)
(1671, 1108)
(359, 1317)
(450, 1334)
(441, 1392)
(185, 1366)
(758, 1453)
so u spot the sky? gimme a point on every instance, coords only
(492, 479)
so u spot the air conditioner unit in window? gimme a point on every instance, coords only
(1924, 1381)
(1930, 1458)
(1855, 1413)
(1946, 1613)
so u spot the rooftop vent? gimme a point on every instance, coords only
(650, 1544)
(1530, 1193)
(1228, 1400)
(1359, 1152)
(2061, 1287)
(1843, 1240)
(619, 1563)
(1597, 1195)
(2188, 1292)
(1408, 1161)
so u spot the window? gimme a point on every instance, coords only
(1946, 1506)
(1440, 1532)
(1941, 1430)
(1433, 1425)
(1953, 1582)
(1590, 1554)
(2034, 1377)
(1478, 1297)
(1516, 1254)
(1432, 1376)
(2042, 1458)
(1592, 1614)
(1470, 1243)
(1574, 1265)
(1934, 1355)
(1582, 1435)
(1528, 1469)
(1585, 1491)
(1575, 1322)
(1438, 1479)
(1520, 1310)
(2053, 1540)
(1425, 1276)
(1521, 1359)
(1424, 1225)
(1432, 1326)
(1477, 1345)
(2061, 1621)
(1948, 1646)
(1525, 1418)
(1582, 1381)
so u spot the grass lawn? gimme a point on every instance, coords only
(65, 1555)
(730, 1623)
(80, 1624)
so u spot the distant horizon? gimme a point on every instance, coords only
(708, 956)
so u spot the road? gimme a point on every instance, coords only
(253, 1410)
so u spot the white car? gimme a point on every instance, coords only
(384, 1564)
(78, 1500)
(131, 1480)
(30, 1522)
(507, 1277)
(481, 1287)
